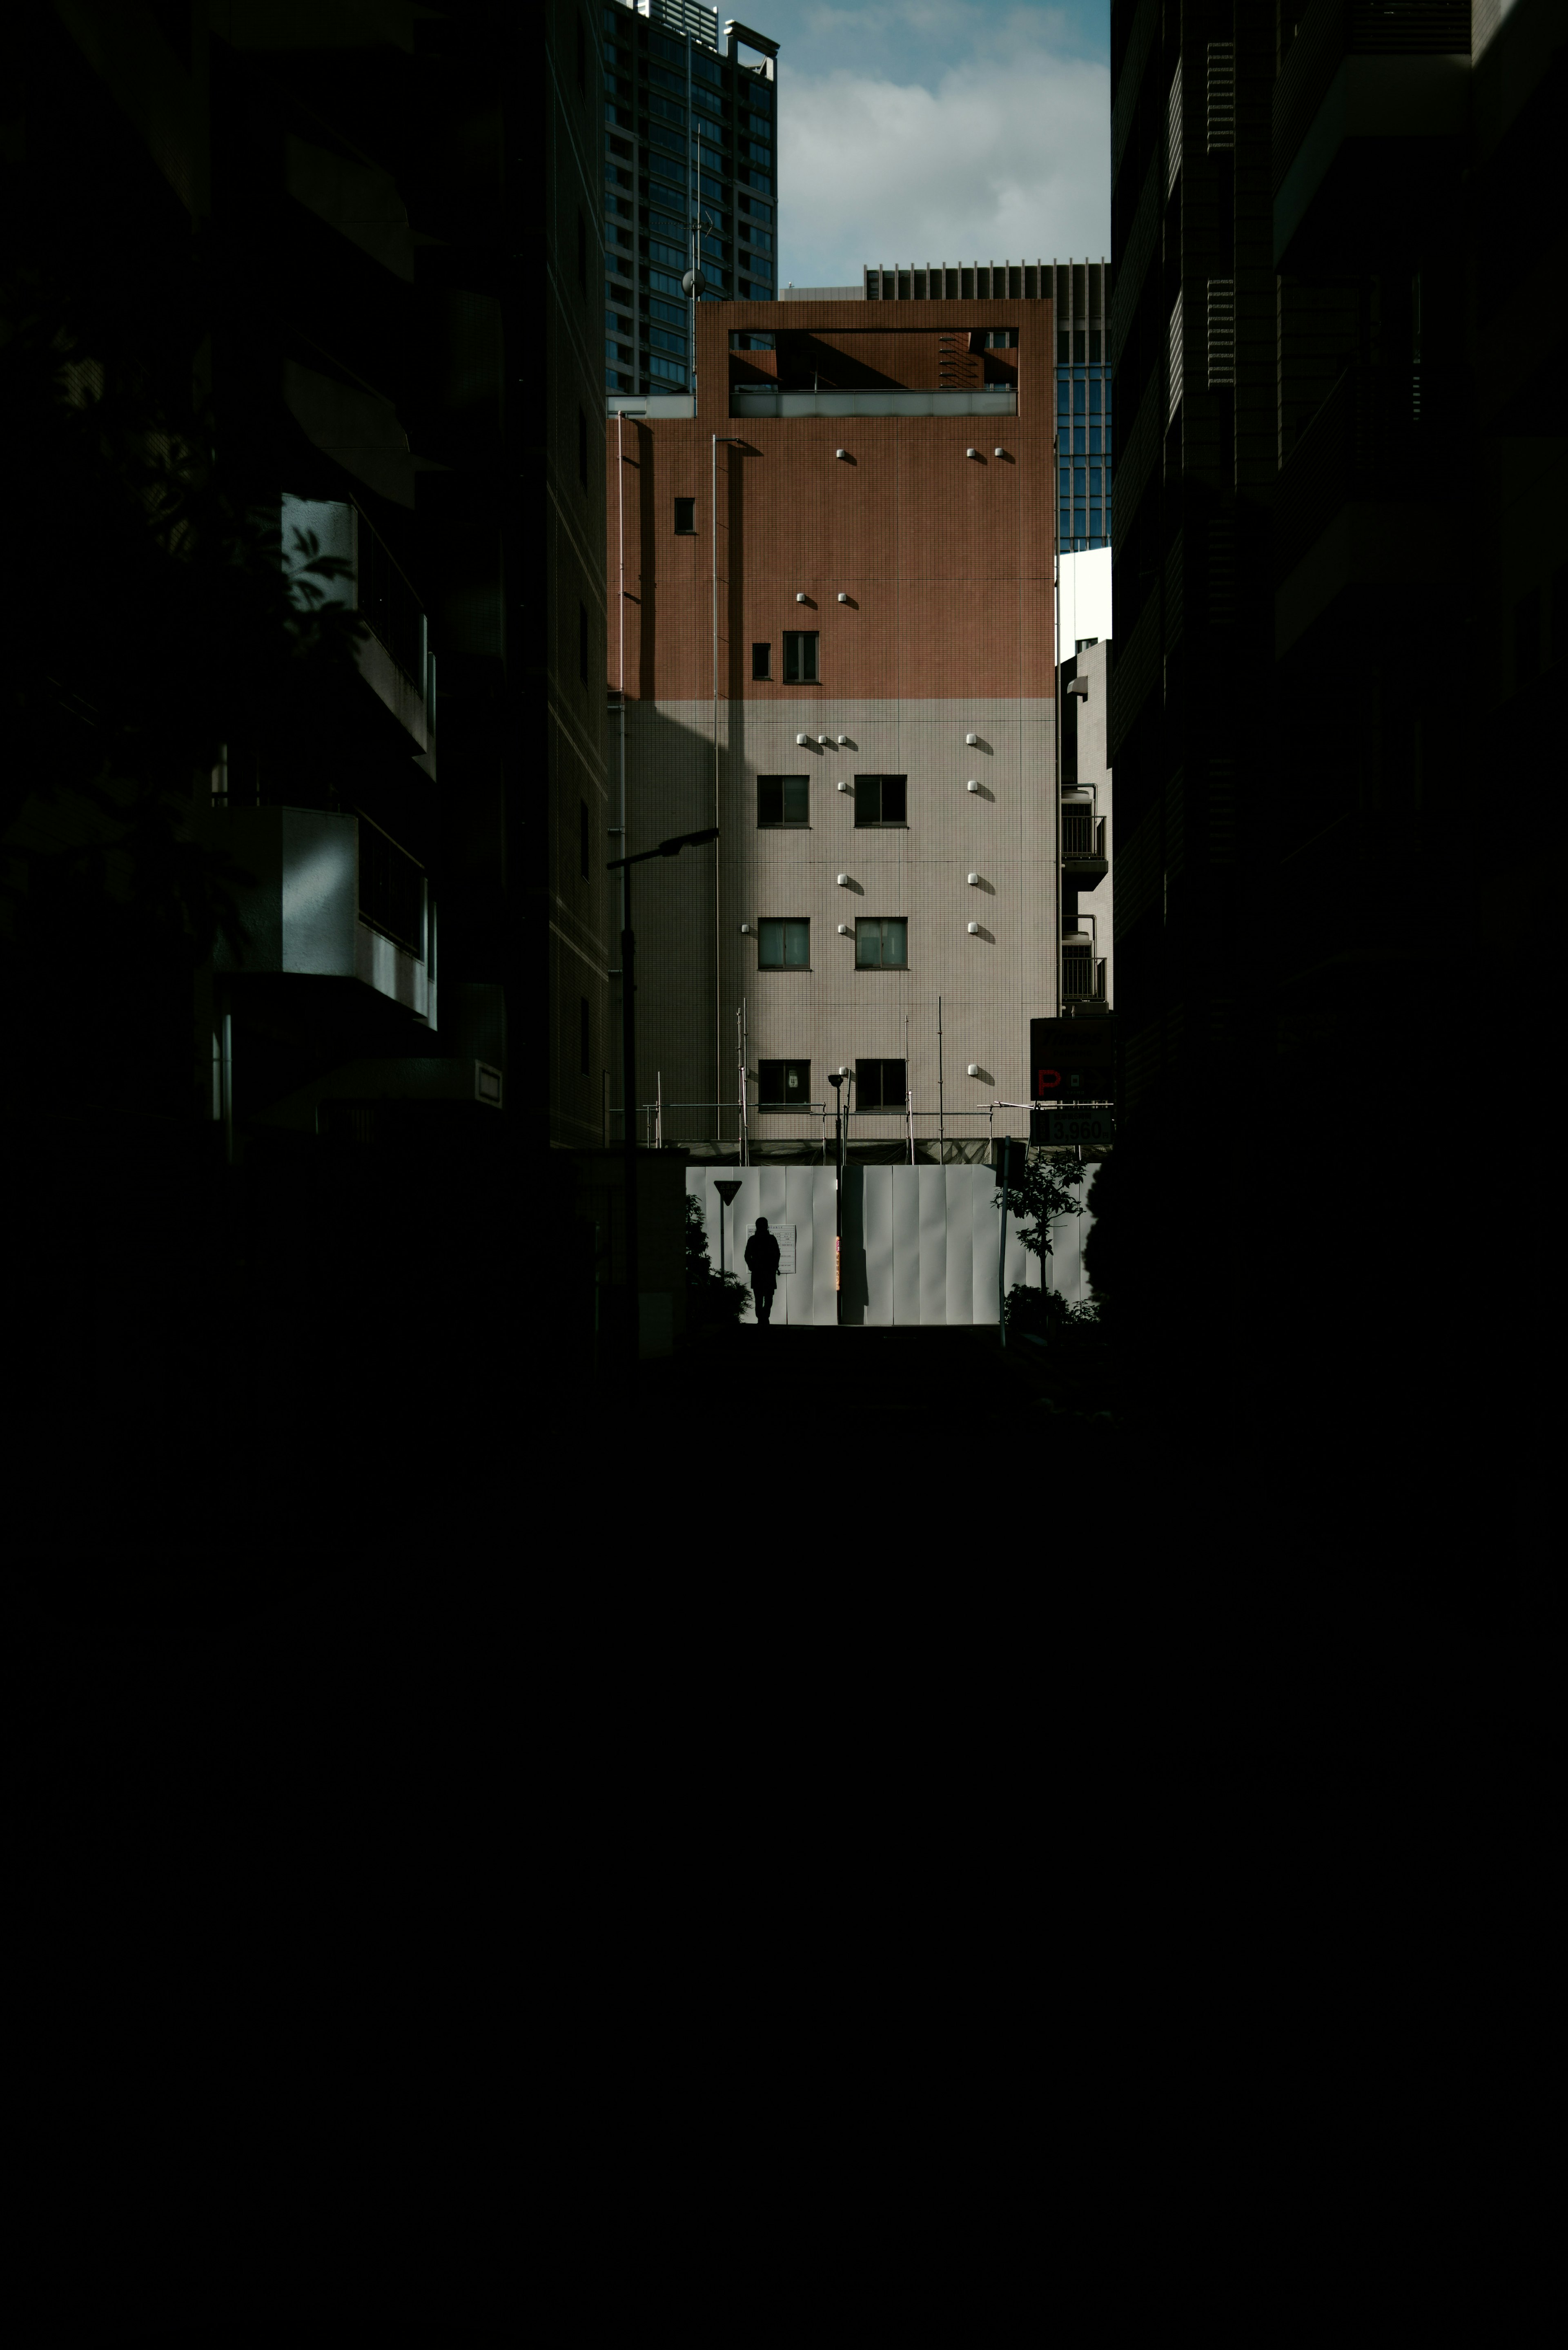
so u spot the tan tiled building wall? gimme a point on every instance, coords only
(927, 574)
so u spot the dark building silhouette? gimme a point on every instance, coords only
(373, 236)
(1339, 628)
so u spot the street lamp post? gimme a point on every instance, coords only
(836, 1078)
(623, 866)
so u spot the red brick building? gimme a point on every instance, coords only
(834, 639)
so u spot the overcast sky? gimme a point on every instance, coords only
(945, 131)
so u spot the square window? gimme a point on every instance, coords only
(783, 946)
(783, 1085)
(762, 662)
(782, 799)
(881, 942)
(800, 657)
(880, 799)
(881, 1084)
(686, 517)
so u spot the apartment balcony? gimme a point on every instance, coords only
(395, 660)
(1083, 858)
(1368, 102)
(1368, 494)
(1082, 974)
(328, 897)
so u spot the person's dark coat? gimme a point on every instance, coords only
(763, 1260)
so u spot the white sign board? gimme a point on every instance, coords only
(786, 1239)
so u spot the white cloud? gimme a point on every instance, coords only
(1007, 157)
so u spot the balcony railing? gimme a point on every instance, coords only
(392, 889)
(388, 605)
(1083, 835)
(1082, 977)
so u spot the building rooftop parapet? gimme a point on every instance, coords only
(752, 400)
(652, 405)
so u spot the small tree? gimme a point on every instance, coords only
(710, 1297)
(1045, 1189)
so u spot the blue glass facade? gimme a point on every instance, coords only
(1084, 458)
(655, 64)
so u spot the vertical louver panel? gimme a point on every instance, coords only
(1174, 400)
(1222, 332)
(1221, 95)
(1173, 131)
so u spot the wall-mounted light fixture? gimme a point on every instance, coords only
(972, 452)
(998, 453)
(973, 1069)
(972, 741)
(846, 930)
(974, 933)
(974, 880)
(843, 786)
(803, 600)
(844, 742)
(824, 742)
(972, 786)
(842, 597)
(802, 738)
(843, 880)
(745, 930)
(841, 452)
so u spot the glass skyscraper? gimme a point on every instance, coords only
(688, 130)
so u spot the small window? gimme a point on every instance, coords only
(881, 1084)
(582, 449)
(584, 1002)
(882, 942)
(583, 832)
(783, 1085)
(880, 799)
(782, 799)
(761, 661)
(686, 517)
(800, 657)
(783, 946)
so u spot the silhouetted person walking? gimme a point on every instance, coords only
(763, 1263)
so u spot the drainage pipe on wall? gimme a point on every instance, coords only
(732, 440)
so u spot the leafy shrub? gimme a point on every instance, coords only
(712, 1299)
(1045, 1313)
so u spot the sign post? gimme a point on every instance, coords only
(726, 1191)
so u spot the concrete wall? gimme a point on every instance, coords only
(919, 1243)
